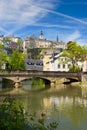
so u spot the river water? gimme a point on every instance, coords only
(64, 104)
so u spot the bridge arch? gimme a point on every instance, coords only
(46, 80)
(18, 80)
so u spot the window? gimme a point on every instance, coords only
(58, 65)
(69, 65)
(63, 65)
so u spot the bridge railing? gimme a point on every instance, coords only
(39, 73)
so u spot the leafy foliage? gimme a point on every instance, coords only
(75, 69)
(39, 123)
(37, 83)
(35, 53)
(5, 40)
(16, 61)
(3, 56)
(75, 53)
(12, 117)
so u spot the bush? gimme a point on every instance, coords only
(74, 69)
(12, 117)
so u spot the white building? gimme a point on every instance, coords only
(84, 65)
(13, 38)
(57, 63)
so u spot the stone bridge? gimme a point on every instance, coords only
(52, 76)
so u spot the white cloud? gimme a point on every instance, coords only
(67, 16)
(82, 42)
(53, 25)
(17, 10)
(74, 36)
(16, 13)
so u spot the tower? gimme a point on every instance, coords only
(41, 35)
(57, 39)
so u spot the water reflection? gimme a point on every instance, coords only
(63, 103)
(33, 84)
(0, 85)
(70, 112)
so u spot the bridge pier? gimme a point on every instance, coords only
(53, 83)
(84, 78)
(17, 85)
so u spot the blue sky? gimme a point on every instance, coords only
(65, 18)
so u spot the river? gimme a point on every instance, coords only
(64, 104)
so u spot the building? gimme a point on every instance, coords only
(11, 42)
(53, 62)
(34, 64)
(41, 35)
(84, 65)
(48, 62)
(1, 39)
(33, 42)
(12, 38)
(58, 63)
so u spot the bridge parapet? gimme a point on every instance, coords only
(40, 73)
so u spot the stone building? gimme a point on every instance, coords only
(11, 42)
(32, 42)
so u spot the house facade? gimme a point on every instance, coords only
(57, 63)
(84, 65)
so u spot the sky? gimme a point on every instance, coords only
(65, 18)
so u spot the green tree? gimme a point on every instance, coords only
(35, 53)
(6, 39)
(11, 115)
(74, 54)
(16, 61)
(3, 56)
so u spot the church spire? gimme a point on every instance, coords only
(41, 35)
(57, 39)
